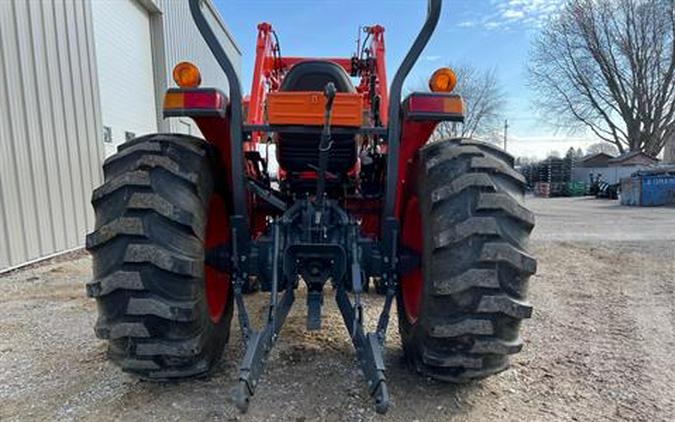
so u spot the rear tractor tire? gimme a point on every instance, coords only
(165, 314)
(459, 317)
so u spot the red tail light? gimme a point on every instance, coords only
(185, 102)
(434, 107)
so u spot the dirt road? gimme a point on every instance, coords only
(600, 345)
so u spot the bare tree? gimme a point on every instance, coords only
(609, 65)
(602, 147)
(577, 154)
(484, 100)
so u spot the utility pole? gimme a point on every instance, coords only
(506, 130)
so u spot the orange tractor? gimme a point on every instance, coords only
(185, 226)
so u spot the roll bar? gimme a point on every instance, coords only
(394, 119)
(236, 119)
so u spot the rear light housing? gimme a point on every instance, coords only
(195, 102)
(434, 106)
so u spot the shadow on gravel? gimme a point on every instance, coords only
(413, 394)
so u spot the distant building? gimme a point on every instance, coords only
(635, 158)
(82, 77)
(611, 169)
(600, 159)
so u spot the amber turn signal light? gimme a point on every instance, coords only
(187, 75)
(443, 80)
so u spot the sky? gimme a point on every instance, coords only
(484, 33)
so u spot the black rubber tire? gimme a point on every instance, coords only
(148, 255)
(475, 268)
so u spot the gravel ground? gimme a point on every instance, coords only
(599, 345)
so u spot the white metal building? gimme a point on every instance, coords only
(77, 78)
(611, 169)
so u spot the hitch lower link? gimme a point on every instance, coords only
(368, 346)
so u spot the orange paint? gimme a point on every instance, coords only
(307, 108)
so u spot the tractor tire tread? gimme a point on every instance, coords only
(475, 231)
(119, 330)
(470, 326)
(148, 254)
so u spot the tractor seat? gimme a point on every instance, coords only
(313, 75)
(299, 152)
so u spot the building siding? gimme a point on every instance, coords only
(611, 174)
(51, 141)
(49, 95)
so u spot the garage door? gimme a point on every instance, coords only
(124, 61)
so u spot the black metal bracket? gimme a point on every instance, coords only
(369, 347)
(259, 343)
(258, 347)
(338, 253)
(368, 350)
(267, 195)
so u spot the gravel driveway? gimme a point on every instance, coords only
(600, 345)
